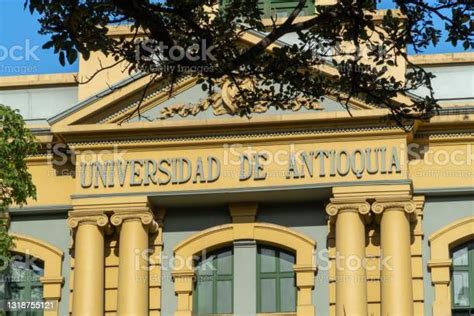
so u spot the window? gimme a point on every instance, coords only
(462, 280)
(214, 283)
(21, 282)
(276, 290)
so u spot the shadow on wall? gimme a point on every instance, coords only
(293, 214)
(285, 214)
(195, 219)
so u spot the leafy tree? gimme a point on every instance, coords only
(16, 185)
(267, 71)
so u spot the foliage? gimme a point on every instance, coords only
(16, 186)
(368, 47)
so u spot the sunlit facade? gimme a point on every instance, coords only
(286, 213)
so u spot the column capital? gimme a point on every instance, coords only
(337, 206)
(380, 205)
(145, 216)
(94, 218)
(183, 279)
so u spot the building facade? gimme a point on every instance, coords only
(308, 213)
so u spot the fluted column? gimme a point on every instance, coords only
(133, 260)
(349, 217)
(88, 297)
(396, 277)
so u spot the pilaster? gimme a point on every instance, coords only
(183, 284)
(305, 284)
(441, 278)
(156, 264)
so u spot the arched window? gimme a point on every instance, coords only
(21, 282)
(301, 251)
(462, 279)
(276, 288)
(214, 283)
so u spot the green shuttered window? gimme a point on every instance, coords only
(462, 280)
(214, 283)
(276, 290)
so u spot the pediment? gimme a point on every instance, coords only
(136, 99)
(119, 103)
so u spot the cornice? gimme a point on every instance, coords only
(444, 137)
(442, 59)
(38, 81)
(236, 136)
(39, 210)
(39, 157)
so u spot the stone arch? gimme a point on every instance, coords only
(52, 257)
(223, 235)
(441, 243)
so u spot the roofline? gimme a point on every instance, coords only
(82, 104)
(442, 59)
(38, 81)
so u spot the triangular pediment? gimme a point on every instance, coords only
(141, 99)
(137, 99)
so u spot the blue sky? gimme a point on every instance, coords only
(19, 34)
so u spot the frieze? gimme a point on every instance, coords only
(175, 170)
